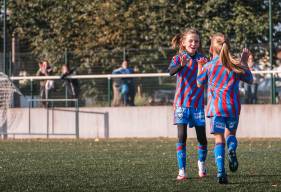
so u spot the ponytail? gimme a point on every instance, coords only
(229, 61)
(221, 46)
(176, 41)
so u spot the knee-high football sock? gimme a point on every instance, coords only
(219, 157)
(231, 143)
(181, 155)
(202, 152)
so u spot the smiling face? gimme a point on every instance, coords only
(191, 43)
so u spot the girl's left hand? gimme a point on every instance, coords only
(244, 57)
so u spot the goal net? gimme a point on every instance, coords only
(7, 90)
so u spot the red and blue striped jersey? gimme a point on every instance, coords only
(223, 88)
(187, 93)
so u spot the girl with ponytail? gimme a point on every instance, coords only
(189, 99)
(222, 75)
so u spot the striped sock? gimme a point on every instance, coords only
(181, 155)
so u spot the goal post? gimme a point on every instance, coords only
(7, 90)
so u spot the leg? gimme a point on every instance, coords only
(202, 150)
(217, 128)
(201, 135)
(182, 133)
(181, 151)
(116, 94)
(232, 143)
(219, 152)
(42, 95)
(255, 93)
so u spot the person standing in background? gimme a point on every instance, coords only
(71, 85)
(45, 85)
(252, 89)
(124, 88)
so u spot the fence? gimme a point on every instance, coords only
(150, 89)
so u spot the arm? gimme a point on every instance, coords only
(177, 63)
(247, 76)
(202, 76)
(174, 69)
(38, 72)
(201, 62)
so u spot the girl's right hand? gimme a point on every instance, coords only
(184, 60)
(202, 61)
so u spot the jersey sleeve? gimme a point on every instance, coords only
(247, 76)
(175, 65)
(175, 62)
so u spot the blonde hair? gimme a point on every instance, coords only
(178, 39)
(220, 44)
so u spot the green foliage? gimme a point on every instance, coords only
(95, 33)
(90, 28)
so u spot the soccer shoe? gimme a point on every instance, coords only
(182, 175)
(232, 160)
(222, 179)
(202, 171)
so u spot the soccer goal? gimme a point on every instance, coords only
(7, 90)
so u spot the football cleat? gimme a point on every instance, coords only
(232, 160)
(222, 179)
(182, 175)
(202, 171)
(181, 178)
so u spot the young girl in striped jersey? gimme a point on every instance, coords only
(188, 101)
(222, 74)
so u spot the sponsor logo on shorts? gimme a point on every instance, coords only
(199, 115)
(231, 125)
(219, 125)
(179, 112)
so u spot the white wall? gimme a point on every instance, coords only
(154, 121)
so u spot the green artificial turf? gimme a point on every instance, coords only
(130, 165)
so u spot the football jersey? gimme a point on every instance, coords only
(187, 93)
(223, 88)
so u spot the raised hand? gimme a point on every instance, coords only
(244, 57)
(184, 60)
(202, 61)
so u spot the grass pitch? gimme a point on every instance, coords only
(130, 165)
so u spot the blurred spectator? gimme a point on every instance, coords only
(123, 88)
(45, 85)
(71, 85)
(251, 90)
